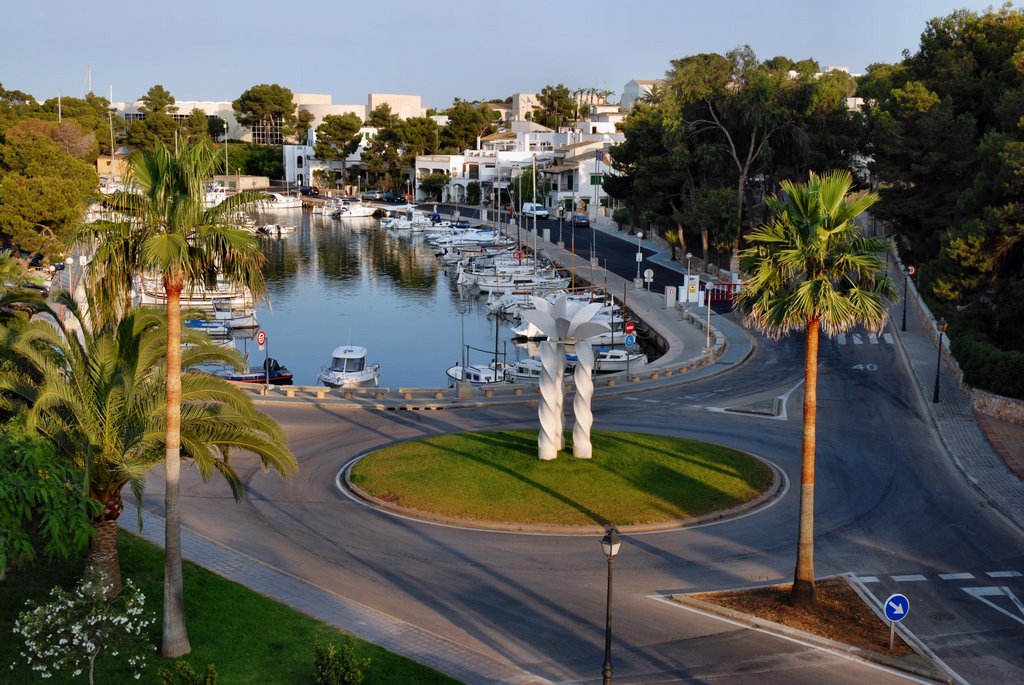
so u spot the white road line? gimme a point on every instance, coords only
(956, 576)
(888, 338)
(873, 339)
(857, 340)
(1003, 574)
(632, 399)
(653, 401)
(912, 578)
(841, 338)
(868, 579)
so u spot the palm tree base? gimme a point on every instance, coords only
(102, 560)
(802, 594)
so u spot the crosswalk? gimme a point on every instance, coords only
(862, 339)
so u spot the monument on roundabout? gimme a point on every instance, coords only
(565, 322)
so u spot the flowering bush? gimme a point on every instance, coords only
(71, 630)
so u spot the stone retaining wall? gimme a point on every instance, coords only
(1003, 408)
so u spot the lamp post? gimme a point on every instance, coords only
(610, 545)
(940, 326)
(689, 256)
(906, 280)
(561, 213)
(639, 254)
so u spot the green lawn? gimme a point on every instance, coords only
(634, 478)
(250, 639)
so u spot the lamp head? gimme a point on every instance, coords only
(689, 255)
(610, 542)
(941, 325)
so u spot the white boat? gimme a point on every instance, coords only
(607, 360)
(215, 194)
(279, 201)
(216, 329)
(225, 313)
(151, 294)
(351, 210)
(479, 374)
(529, 370)
(349, 368)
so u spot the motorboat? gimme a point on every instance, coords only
(349, 368)
(215, 194)
(151, 293)
(607, 360)
(280, 201)
(225, 313)
(529, 370)
(479, 374)
(270, 372)
(351, 210)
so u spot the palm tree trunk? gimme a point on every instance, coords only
(102, 559)
(175, 638)
(803, 593)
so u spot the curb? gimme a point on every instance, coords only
(820, 642)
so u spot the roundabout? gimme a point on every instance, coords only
(493, 480)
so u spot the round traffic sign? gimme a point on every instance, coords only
(649, 274)
(897, 607)
(911, 269)
(630, 340)
(629, 327)
(519, 254)
(261, 338)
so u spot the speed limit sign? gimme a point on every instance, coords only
(261, 338)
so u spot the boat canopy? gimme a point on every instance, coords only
(348, 359)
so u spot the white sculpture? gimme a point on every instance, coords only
(565, 322)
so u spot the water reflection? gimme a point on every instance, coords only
(334, 283)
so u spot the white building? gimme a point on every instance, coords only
(635, 90)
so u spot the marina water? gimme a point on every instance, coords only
(334, 282)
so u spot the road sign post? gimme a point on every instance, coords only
(261, 340)
(896, 608)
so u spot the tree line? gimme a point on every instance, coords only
(937, 135)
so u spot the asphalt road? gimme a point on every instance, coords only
(891, 509)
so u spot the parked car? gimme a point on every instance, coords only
(372, 195)
(580, 220)
(393, 197)
(535, 209)
(312, 191)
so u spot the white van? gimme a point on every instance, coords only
(535, 209)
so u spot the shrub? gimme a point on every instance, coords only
(621, 217)
(987, 367)
(473, 193)
(334, 666)
(187, 675)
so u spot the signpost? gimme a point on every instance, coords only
(629, 327)
(896, 608)
(261, 340)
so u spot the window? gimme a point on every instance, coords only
(298, 161)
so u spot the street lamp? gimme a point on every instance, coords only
(940, 326)
(639, 254)
(906, 279)
(689, 256)
(610, 544)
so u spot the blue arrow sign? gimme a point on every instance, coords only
(630, 340)
(897, 607)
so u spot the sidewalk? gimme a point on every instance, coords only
(983, 448)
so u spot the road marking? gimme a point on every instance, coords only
(868, 579)
(632, 399)
(980, 593)
(653, 401)
(1003, 574)
(841, 339)
(872, 338)
(857, 340)
(956, 576)
(912, 578)
(888, 338)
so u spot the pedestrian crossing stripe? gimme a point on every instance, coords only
(858, 339)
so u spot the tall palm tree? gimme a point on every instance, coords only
(810, 269)
(100, 398)
(172, 236)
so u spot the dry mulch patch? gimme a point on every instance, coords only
(839, 614)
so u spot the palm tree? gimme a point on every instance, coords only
(100, 398)
(810, 269)
(170, 235)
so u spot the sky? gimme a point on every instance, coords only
(440, 50)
